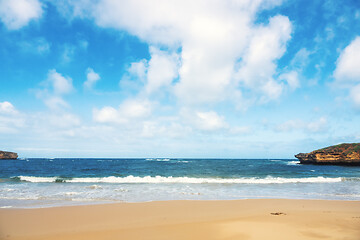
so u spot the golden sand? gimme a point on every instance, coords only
(240, 219)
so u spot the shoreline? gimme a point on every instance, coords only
(48, 204)
(187, 219)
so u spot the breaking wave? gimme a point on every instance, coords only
(190, 180)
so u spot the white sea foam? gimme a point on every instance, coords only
(293, 162)
(37, 179)
(95, 187)
(190, 193)
(121, 190)
(158, 159)
(160, 179)
(71, 193)
(8, 190)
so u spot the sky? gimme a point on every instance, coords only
(171, 78)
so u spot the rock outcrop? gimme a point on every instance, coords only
(8, 155)
(342, 154)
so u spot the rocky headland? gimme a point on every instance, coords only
(8, 155)
(342, 154)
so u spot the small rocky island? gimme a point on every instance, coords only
(341, 154)
(8, 155)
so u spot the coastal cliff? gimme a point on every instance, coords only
(8, 155)
(342, 154)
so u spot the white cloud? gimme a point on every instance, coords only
(315, 126)
(355, 95)
(70, 8)
(63, 120)
(106, 115)
(11, 120)
(37, 46)
(139, 69)
(55, 102)
(130, 110)
(348, 64)
(330, 34)
(318, 125)
(135, 77)
(69, 50)
(162, 69)
(58, 124)
(165, 21)
(55, 87)
(294, 71)
(291, 78)
(347, 72)
(68, 53)
(161, 129)
(60, 84)
(152, 129)
(207, 121)
(16, 14)
(300, 59)
(39, 124)
(91, 78)
(272, 90)
(267, 44)
(7, 108)
(156, 73)
(135, 108)
(210, 39)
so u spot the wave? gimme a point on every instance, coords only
(158, 159)
(296, 162)
(166, 160)
(160, 179)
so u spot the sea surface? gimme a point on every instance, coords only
(33, 183)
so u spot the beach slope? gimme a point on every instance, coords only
(238, 219)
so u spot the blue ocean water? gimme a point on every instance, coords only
(56, 182)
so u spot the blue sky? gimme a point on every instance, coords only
(220, 79)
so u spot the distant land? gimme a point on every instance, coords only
(8, 155)
(341, 154)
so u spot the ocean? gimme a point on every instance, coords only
(33, 183)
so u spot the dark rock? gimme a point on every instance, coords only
(342, 154)
(277, 213)
(8, 155)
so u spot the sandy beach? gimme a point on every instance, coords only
(238, 219)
